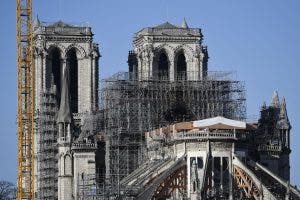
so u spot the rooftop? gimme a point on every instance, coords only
(170, 29)
(219, 123)
(61, 28)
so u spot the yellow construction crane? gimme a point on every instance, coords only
(25, 72)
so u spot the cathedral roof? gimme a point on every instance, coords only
(60, 24)
(168, 29)
(62, 29)
(166, 25)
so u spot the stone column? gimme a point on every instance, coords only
(92, 95)
(171, 67)
(80, 85)
(68, 135)
(140, 66)
(94, 83)
(197, 56)
(46, 67)
(145, 65)
(148, 60)
(197, 69)
(84, 84)
(200, 66)
(189, 69)
(287, 139)
(63, 69)
(151, 57)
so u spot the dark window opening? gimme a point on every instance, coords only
(73, 70)
(163, 67)
(217, 163)
(192, 161)
(200, 162)
(217, 171)
(54, 71)
(181, 72)
(225, 163)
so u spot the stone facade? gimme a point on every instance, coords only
(168, 82)
(66, 65)
(274, 137)
(84, 170)
(172, 43)
(206, 159)
(64, 38)
(199, 147)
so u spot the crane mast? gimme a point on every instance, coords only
(25, 87)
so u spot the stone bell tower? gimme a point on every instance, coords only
(274, 140)
(66, 72)
(168, 52)
(59, 45)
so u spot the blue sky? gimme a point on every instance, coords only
(258, 39)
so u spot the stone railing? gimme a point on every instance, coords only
(270, 148)
(204, 135)
(73, 30)
(83, 146)
(172, 31)
(79, 115)
(63, 140)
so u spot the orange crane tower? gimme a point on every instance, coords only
(25, 118)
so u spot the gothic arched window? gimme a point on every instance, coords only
(72, 64)
(163, 67)
(181, 68)
(53, 70)
(68, 165)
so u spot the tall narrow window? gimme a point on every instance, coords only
(53, 71)
(68, 165)
(199, 162)
(73, 70)
(181, 71)
(163, 67)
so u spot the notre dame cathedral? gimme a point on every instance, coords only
(168, 128)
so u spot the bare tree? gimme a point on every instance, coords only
(7, 190)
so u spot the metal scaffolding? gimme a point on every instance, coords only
(132, 107)
(47, 146)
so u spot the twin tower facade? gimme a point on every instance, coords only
(165, 52)
(66, 90)
(168, 82)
